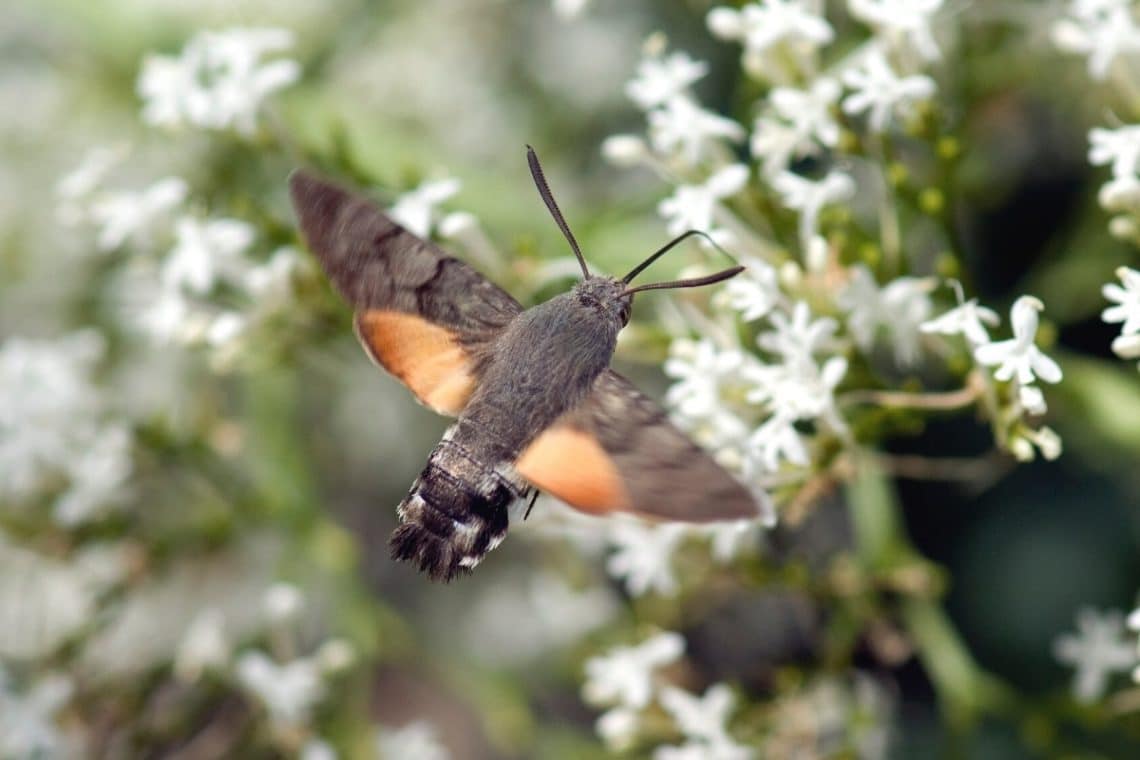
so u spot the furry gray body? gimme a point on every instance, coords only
(543, 364)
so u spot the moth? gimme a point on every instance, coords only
(535, 402)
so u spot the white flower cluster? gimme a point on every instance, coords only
(174, 299)
(626, 680)
(1126, 311)
(58, 439)
(771, 405)
(28, 726)
(219, 80)
(1119, 148)
(287, 686)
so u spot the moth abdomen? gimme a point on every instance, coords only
(454, 514)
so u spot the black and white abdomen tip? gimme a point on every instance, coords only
(454, 514)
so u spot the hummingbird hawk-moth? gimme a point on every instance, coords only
(536, 403)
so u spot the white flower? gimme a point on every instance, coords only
(1121, 194)
(899, 308)
(1127, 298)
(204, 647)
(130, 216)
(618, 727)
(800, 121)
(909, 19)
(27, 721)
(416, 209)
(692, 207)
(799, 339)
(569, 9)
(702, 371)
(80, 183)
(1102, 33)
(642, 555)
(966, 319)
(624, 150)
(702, 751)
(318, 749)
(218, 82)
(624, 675)
(776, 440)
(289, 691)
(683, 127)
(1018, 358)
(763, 25)
(203, 251)
(418, 740)
(54, 427)
(879, 90)
(1098, 649)
(810, 196)
(703, 722)
(754, 292)
(1119, 147)
(283, 602)
(660, 80)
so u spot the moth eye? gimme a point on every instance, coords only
(625, 312)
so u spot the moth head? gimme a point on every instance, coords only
(612, 295)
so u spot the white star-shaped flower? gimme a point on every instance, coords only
(902, 19)
(130, 216)
(1098, 649)
(659, 80)
(624, 675)
(1019, 357)
(764, 25)
(642, 555)
(288, 690)
(692, 207)
(877, 89)
(898, 308)
(684, 128)
(205, 250)
(798, 123)
(1103, 34)
(1119, 147)
(754, 292)
(797, 339)
(968, 318)
(810, 196)
(416, 210)
(1127, 298)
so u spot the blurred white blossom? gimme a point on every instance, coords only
(797, 124)
(703, 720)
(694, 207)
(125, 216)
(289, 691)
(754, 292)
(55, 423)
(1118, 147)
(624, 676)
(662, 79)
(898, 309)
(810, 196)
(204, 249)
(878, 91)
(416, 209)
(28, 727)
(768, 24)
(1099, 648)
(1103, 30)
(682, 127)
(205, 646)
(902, 20)
(219, 81)
(642, 555)
(418, 740)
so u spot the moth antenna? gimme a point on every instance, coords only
(548, 199)
(695, 282)
(669, 246)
